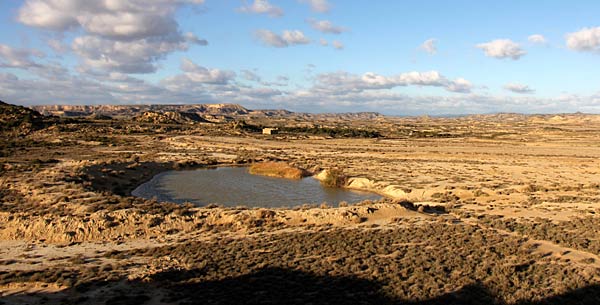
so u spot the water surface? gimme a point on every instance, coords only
(234, 186)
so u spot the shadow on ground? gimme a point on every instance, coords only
(119, 177)
(266, 286)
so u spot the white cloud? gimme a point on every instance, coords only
(388, 101)
(325, 26)
(117, 77)
(183, 89)
(124, 19)
(460, 85)
(50, 71)
(586, 39)
(18, 58)
(519, 88)
(270, 38)
(58, 46)
(287, 38)
(31, 60)
(201, 74)
(502, 48)
(280, 81)
(295, 37)
(137, 56)
(262, 7)
(323, 42)
(337, 45)
(65, 91)
(193, 39)
(537, 39)
(250, 76)
(260, 93)
(115, 27)
(429, 46)
(337, 92)
(50, 15)
(320, 6)
(340, 82)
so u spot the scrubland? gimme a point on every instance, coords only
(478, 210)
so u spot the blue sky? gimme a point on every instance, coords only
(395, 57)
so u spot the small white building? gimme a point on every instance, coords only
(270, 130)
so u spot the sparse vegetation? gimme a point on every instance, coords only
(420, 263)
(579, 233)
(342, 132)
(65, 182)
(334, 177)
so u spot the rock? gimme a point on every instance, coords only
(322, 175)
(168, 117)
(395, 192)
(361, 183)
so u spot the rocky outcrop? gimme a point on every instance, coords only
(396, 192)
(219, 111)
(169, 117)
(13, 117)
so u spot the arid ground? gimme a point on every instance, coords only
(488, 209)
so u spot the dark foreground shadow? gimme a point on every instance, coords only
(267, 286)
(119, 178)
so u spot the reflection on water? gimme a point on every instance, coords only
(234, 186)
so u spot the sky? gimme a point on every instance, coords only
(393, 57)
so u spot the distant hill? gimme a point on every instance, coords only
(169, 117)
(19, 118)
(209, 112)
(561, 118)
(352, 115)
(131, 111)
(271, 112)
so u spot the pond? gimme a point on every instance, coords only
(234, 186)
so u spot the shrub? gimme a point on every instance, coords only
(334, 178)
(155, 222)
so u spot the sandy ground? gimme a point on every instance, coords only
(530, 185)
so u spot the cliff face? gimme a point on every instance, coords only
(169, 117)
(135, 110)
(206, 111)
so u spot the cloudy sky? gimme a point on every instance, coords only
(394, 57)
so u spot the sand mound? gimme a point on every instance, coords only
(277, 169)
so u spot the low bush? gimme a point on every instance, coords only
(334, 178)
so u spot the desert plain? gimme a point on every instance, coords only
(476, 209)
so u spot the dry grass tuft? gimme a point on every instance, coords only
(277, 169)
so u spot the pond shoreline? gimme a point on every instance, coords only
(230, 187)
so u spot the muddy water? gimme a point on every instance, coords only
(234, 186)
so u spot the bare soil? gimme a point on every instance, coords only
(500, 209)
